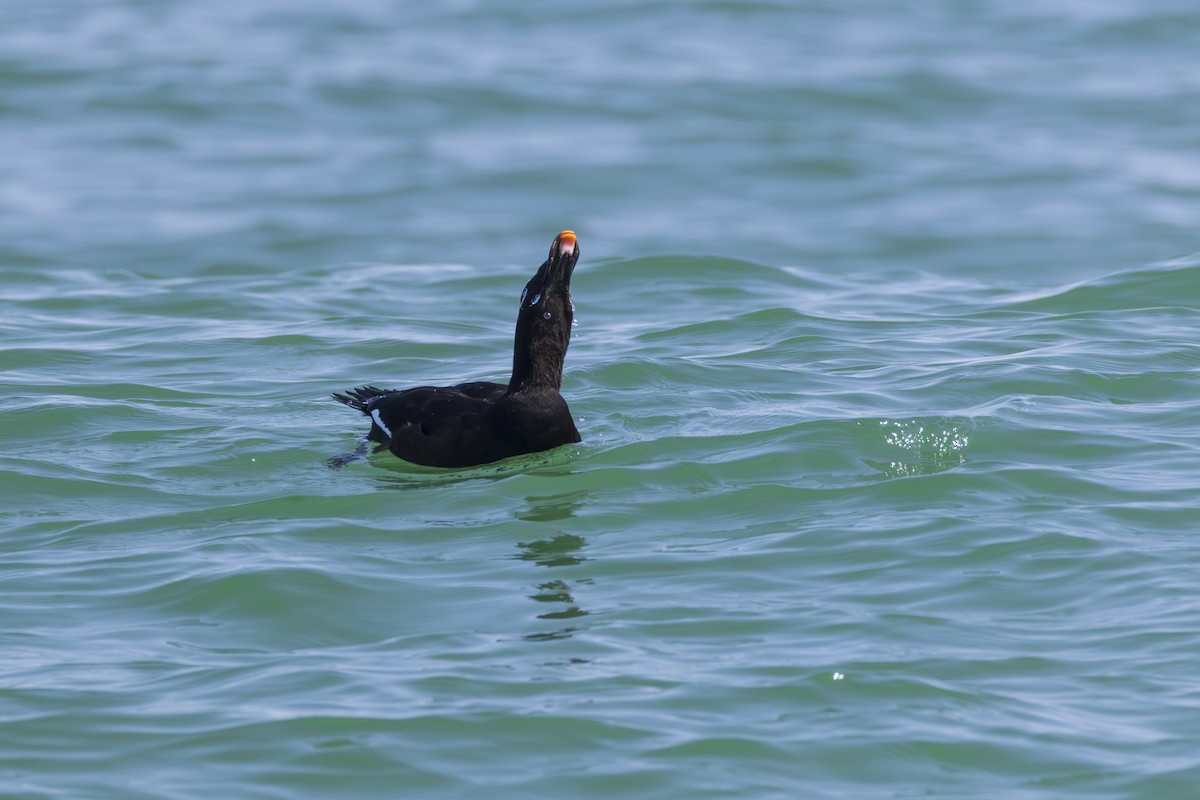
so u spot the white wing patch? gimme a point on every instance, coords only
(379, 421)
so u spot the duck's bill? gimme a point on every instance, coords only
(565, 244)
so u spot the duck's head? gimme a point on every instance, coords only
(551, 286)
(545, 318)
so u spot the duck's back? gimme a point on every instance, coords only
(433, 425)
(463, 425)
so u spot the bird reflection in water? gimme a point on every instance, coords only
(556, 552)
(559, 551)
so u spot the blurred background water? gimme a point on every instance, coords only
(885, 366)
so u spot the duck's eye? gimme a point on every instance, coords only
(546, 315)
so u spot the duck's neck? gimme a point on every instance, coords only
(539, 348)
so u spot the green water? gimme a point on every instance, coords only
(885, 366)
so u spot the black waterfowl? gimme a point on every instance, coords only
(481, 422)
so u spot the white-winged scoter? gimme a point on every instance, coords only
(481, 422)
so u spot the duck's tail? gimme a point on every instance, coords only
(357, 398)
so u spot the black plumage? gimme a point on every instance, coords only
(477, 423)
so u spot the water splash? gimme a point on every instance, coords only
(927, 446)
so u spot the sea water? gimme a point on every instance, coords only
(886, 368)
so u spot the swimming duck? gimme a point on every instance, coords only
(480, 422)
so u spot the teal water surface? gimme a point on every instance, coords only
(885, 365)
